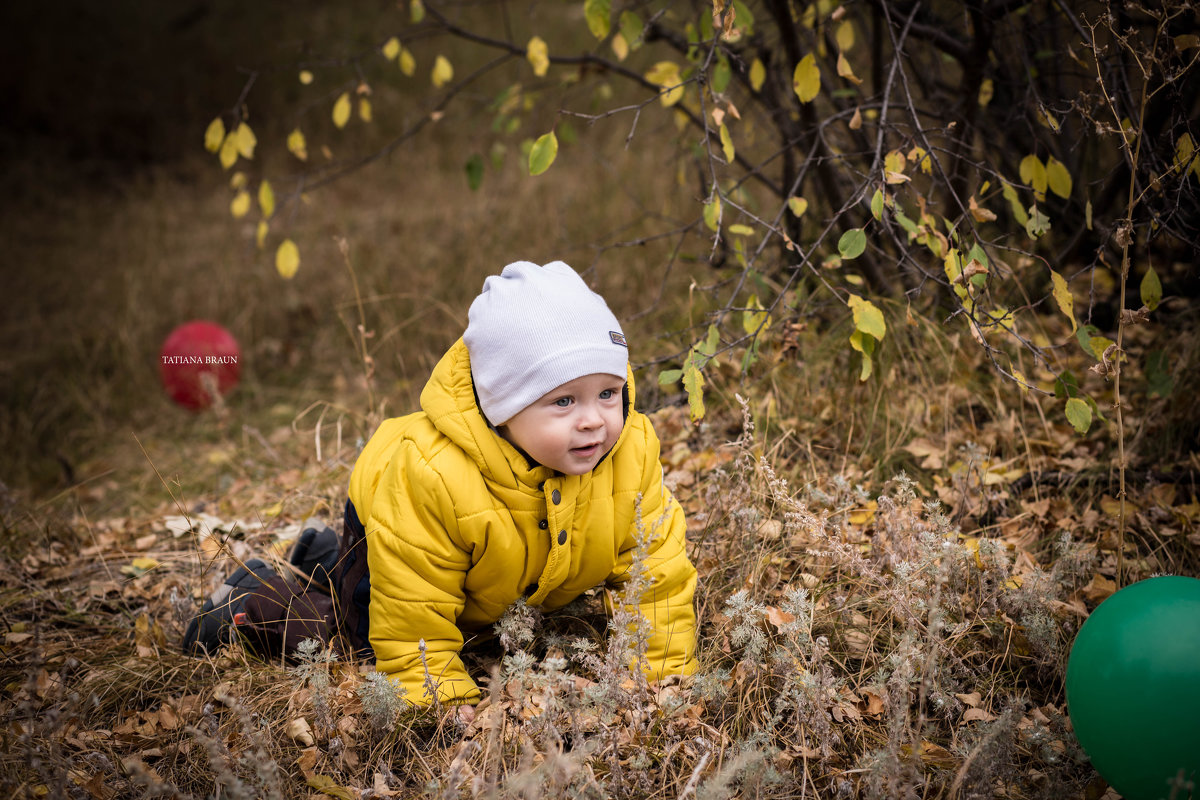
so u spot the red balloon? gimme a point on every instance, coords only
(199, 358)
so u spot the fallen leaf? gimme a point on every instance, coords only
(307, 761)
(328, 786)
(139, 566)
(1099, 588)
(874, 703)
(298, 730)
(977, 714)
(971, 699)
(778, 617)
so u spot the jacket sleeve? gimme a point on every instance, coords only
(418, 569)
(667, 601)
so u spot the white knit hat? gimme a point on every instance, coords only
(533, 329)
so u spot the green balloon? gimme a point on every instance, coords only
(1133, 687)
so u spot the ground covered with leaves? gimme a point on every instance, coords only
(903, 636)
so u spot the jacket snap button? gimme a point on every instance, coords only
(555, 496)
(562, 537)
(543, 524)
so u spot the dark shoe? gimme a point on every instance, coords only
(213, 626)
(316, 553)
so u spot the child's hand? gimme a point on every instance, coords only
(465, 714)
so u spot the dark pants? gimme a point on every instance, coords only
(354, 585)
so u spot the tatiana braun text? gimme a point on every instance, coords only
(200, 360)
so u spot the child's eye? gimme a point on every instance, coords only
(607, 394)
(563, 402)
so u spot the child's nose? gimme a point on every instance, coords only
(589, 416)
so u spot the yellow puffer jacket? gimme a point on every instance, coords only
(459, 526)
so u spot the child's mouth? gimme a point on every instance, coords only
(587, 451)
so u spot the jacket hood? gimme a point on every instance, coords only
(449, 401)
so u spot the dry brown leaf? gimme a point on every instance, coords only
(873, 703)
(779, 617)
(307, 760)
(1099, 588)
(858, 642)
(977, 714)
(934, 755)
(298, 730)
(972, 699)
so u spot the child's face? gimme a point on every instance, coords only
(570, 428)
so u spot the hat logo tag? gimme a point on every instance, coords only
(618, 338)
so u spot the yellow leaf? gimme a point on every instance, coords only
(391, 48)
(329, 787)
(297, 145)
(1022, 381)
(306, 77)
(240, 204)
(952, 265)
(543, 153)
(260, 234)
(266, 199)
(1062, 296)
(416, 10)
(845, 35)
(145, 563)
(867, 317)
(364, 109)
(598, 15)
(797, 205)
(693, 384)
(727, 145)
(620, 46)
(214, 135)
(1185, 147)
(986, 91)
(863, 343)
(741, 230)
(287, 259)
(712, 213)
(755, 316)
(894, 161)
(864, 515)
(918, 156)
(443, 72)
(806, 79)
(237, 180)
(1047, 119)
(229, 152)
(1098, 344)
(758, 74)
(1079, 414)
(846, 71)
(246, 140)
(1057, 178)
(538, 55)
(1033, 173)
(408, 64)
(665, 74)
(341, 110)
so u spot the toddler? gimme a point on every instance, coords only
(526, 474)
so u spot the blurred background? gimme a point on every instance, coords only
(117, 228)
